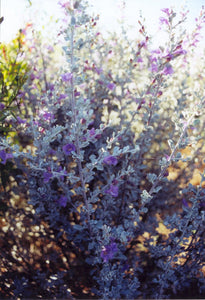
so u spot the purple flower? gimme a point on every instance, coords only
(98, 70)
(142, 44)
(62, 201)
(179, 52)
(2, 106)
(92, 132)
(51, 152)
(163, 21)
(68, 148)
(20, 121)
(47, 176)
(153, 59)
(21, 94)
(51, 86)
(154, 68)
(154, 65)
(108, 251)
(110, 160)
(48, 116)
(139, 60)
(32, 76)
(62, 96)
(67, 77)
(4, 156)
(111, 86)
(76, 93)
(169, 56)
(167, 157)
(113, 190)
(166, 11)
(184, 202)
(168, 70)
(67, 5)
(140, 102)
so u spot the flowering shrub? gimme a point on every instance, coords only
(96, 167)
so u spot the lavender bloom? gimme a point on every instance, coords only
(2, 106)
(51, 152)
(62, 96)
(180, 51)
(164, 21)
(108, 251)
(47, 176)
(20, 121)
(166, 11)
(110, 160)
(51, 86)
(168, 70)
(98, 70)
(111, 86)
(32, 77)
(76, 93)
(113, 190)
(154, 66)
(68, 148)
(168, 57)
(62, 201)
(67, 5)
(67, 77)
(4, 156)
(139, 60)
(48, 116)
(92, 132)
(21, 94)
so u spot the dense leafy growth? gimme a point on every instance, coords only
(99, 191)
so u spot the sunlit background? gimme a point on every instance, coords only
(46, 12)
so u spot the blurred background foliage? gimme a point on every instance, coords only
(13, 74)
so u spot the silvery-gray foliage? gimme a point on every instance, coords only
(89, 173)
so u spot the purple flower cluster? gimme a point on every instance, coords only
(20, 121)
(168, 70)
(62, 201)
(108, 251)
(4, 156)
(48, 116)
(110, 160)
(113, 190)
(68, 148)
(166, 20)
(111, 86)
(67, 77)
(47, 176)
(2, 106)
